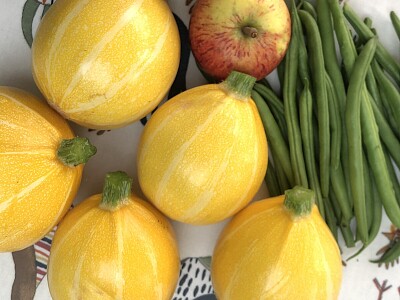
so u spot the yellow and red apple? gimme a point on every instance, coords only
(250, 36)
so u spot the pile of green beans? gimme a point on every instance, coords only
(334, 124)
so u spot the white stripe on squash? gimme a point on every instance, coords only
(181, 153)
(58, 36)
(86, 64)
(132, 75)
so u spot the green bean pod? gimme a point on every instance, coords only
(305, 117)
(390, 92)
(395, 22)
(365, 33)
(318, 76)
(346, 44)
(271, 180)
(335, 122)
(390, 255)
(329, 49)
(377, 162)
(308, 7)
(291, 115)
(386, 133)
(274, 136)
(353, 126)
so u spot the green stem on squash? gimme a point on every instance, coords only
(116, 190)
(299, 201)
(239, 84)
(75, 151)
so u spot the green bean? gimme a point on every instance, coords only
(376, 220)
(365, 33)
(291, 115)
(386, 133)
(390, 255)
(392, 174)
(344, 229)
(308, 7)
(274, 136)
(329, 49)
(373, 89)
(318, 76)
(353, 126)
(303, 56)
(276, 106)
(344, 38)
(265, 82)
(335, 122)
(306, 128)
(377, 214)
(281, 71)
(339, 187)
(271, 180)
(348, 236)
(330, 218)
(280, 174)
(390, 92)
(368, 22)
(376, 159)
(395, 22)
(369, 205)
(271, 98)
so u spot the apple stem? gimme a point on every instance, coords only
(239, 84)
(250, 31)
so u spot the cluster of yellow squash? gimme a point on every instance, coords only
(201, 159)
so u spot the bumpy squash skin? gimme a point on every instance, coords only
(36, 189)
(203, 155)
(104, 64)
(128, 253)
(263, 254)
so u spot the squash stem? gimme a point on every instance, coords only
(299, 201)
(116, 190)
(239, 84)
(75, 151)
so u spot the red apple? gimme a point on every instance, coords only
(250, 36)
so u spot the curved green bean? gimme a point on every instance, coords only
(274, 136)
(353, 126)
(376, 159)
(365, 33)
(318, 76)
(387, 135)
(395, 22)
(392, 95)
(291, 115)
(305, 117)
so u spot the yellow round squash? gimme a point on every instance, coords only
(277, 248)
(38, 176)
(104, 64)
(114, 246)
(203, 154)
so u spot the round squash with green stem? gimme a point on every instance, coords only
(203, 154)
(277, 248)
(105, 64)
(41, 163)
(114, 246)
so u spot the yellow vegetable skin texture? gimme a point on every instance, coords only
(36, 188)
(203, 155)
(129, 252)
(263, 253)
(104, 64)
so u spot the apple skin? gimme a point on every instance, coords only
(250, 36)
